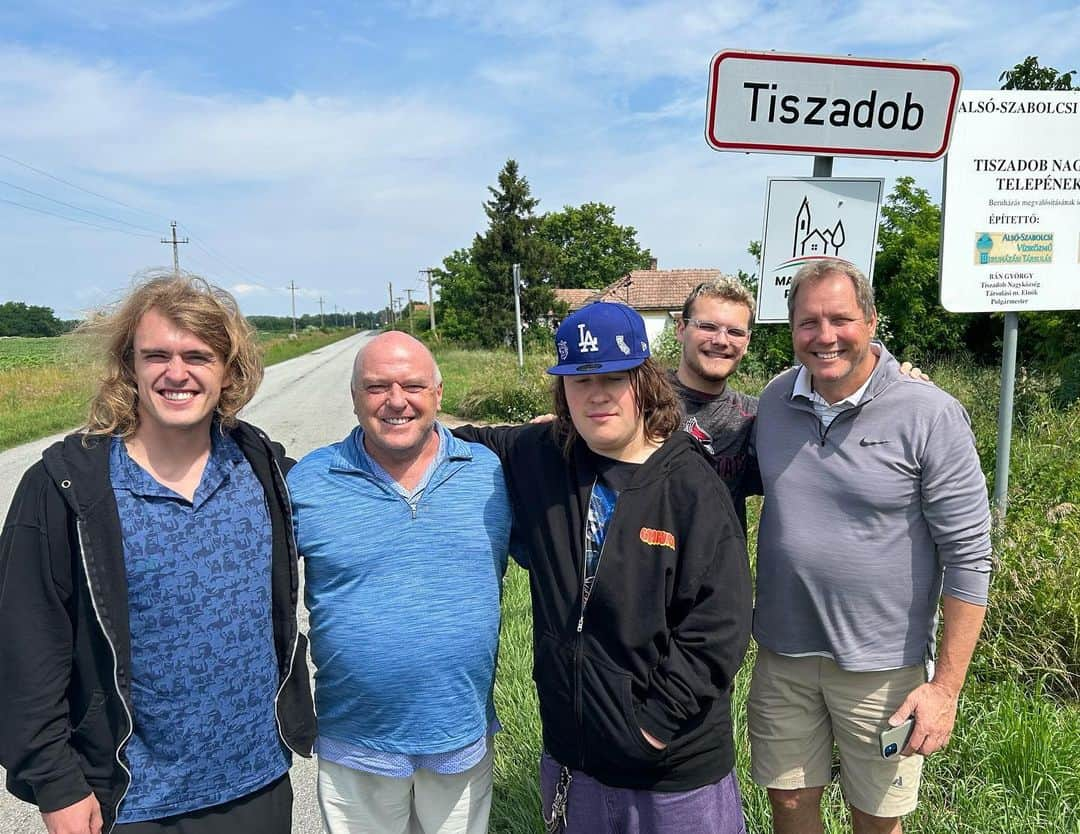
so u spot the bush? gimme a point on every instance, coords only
(1032, 630)
(488, 385)
(666, 349)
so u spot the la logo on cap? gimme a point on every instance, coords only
(587, 342)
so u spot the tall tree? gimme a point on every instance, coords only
(458, 280)
(907, 276)
(1028, 75)
(511, 238)
(592, 250)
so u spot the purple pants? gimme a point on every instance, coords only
(595, 808)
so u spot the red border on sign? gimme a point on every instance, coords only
(714, 72)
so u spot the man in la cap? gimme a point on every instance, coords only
(640, 590)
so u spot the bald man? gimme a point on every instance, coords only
(404, 530)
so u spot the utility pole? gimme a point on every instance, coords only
(409, 293)
(292, 288)
(175, 248)
(390, 287)
(336, 322)
(322, 324)
(430, 303)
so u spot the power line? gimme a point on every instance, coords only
(218, 256)
(73, 219)
(210, 252)
(79, 187)
(73, 206)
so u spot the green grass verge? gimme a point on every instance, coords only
(1010, 769)
(489, 385)
(46, 384)
(279, 348)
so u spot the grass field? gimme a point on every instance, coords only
(45, 384)
(1012, 765)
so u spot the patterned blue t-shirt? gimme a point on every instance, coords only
(203, 667)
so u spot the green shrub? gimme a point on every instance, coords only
(488, 385)
(666, 349)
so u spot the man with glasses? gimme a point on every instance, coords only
(714, 332)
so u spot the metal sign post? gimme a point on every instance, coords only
(517, 313)
(1005, 417)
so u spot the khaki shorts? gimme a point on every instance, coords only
(800, 706)
(424, 803)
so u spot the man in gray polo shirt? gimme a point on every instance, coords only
(875, 509)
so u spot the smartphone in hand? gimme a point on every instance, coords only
(894, 739)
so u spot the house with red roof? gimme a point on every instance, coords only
(658, 294)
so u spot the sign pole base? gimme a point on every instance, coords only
(1005, 417)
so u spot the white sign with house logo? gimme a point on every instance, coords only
(808, 218)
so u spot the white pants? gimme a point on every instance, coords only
(355, 802)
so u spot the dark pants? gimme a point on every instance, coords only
(266, 811)
(595, 808)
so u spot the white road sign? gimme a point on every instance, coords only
(809, 218)
(830, 106)
(1011, 237)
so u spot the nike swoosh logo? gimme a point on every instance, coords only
(867, 442)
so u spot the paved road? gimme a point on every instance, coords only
(303, 403)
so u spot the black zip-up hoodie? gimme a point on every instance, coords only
(666, 626)
(65, 702)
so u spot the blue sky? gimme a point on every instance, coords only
(344, 145)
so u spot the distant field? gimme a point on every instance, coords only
(45, 384)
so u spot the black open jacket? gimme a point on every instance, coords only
(668, 622)
(65, 645)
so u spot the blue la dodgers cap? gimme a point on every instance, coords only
(602, 337)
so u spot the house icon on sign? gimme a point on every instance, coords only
(809, 241)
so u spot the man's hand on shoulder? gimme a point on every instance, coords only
(84, 817)
(540, 419)
(934, 708)
(907, 369)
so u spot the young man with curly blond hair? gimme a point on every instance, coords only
(154, 675)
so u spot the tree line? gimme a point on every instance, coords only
(19, 319)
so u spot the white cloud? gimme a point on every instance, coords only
(249, 289)
(133, 125)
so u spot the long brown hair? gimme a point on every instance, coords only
(192, 304)
(654, 397)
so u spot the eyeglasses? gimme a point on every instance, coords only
(736, 334)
